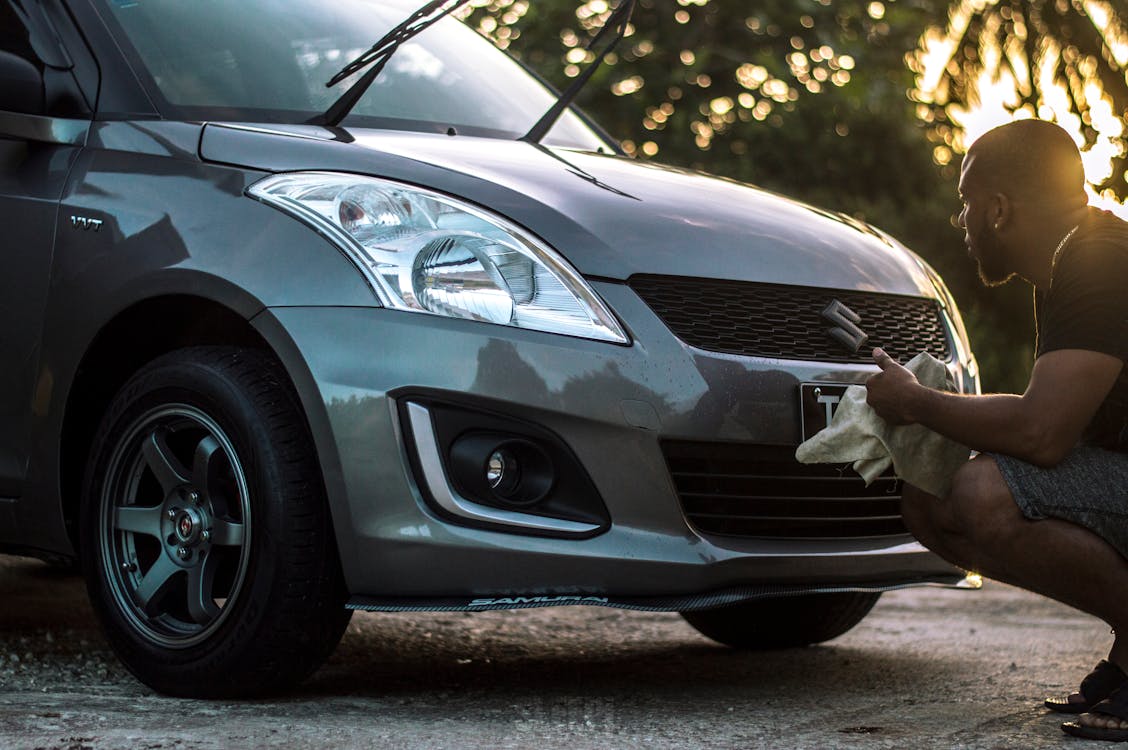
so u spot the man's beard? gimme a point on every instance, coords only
(992, 260)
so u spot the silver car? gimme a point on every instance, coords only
(266, 366)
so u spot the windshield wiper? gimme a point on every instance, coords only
(616, 22)
(377, 56)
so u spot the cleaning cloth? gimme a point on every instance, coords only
(923, 458)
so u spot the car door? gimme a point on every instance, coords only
(44, 119)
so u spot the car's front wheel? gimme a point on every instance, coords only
(206, 539)
(783, 622)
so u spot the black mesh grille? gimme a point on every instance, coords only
(767, 320)
(762, 491)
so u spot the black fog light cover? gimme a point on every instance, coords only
(515, 471)
(503, 462)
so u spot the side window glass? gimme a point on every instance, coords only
(14, 37)
(20, 68)
(36, 71)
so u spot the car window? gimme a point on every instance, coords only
(268, 60)
(14, 35)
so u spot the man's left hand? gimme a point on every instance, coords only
(890, 391)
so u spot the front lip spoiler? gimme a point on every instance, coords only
(675, 603)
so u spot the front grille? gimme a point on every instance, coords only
(761, 491)
(768, 320)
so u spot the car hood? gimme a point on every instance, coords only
(611, 216)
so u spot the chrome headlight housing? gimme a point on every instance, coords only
(969, 381)
(425, 252)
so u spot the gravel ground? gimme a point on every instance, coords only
(928, 668)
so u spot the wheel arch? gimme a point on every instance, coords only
(134, 336)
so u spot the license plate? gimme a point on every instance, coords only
(817, 403)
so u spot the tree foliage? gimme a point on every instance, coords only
(860, 106)
(1059, 60)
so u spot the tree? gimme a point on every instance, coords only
(699, 83)
(1059, 60)
(860, 106)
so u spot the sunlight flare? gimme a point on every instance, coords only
(980, 70)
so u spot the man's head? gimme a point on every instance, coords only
(1015, 181)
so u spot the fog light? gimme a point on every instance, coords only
(502, 469)
(495, 469)
(503, 472)
(478, 467)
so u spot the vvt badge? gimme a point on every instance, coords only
(845, 330)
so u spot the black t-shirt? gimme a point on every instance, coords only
(1086, 307)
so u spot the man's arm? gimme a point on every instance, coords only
(1041, 426)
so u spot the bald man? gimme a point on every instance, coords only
(1044, 505)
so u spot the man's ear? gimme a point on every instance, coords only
(1000, 211)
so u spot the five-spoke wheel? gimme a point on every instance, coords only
(206, 537)
(175, 530)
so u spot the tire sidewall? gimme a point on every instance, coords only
(169, 381)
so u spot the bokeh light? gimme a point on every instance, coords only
(1018, 71)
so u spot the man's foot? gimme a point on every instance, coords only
(1099, 684)
(1108, 720)
(1102, 721)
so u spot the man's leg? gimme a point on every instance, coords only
(979, 527)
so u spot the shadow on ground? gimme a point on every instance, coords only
(927, 668)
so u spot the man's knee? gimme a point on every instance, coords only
(978, 510)
(981, 508)
(923, 514)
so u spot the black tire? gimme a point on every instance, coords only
(783, 622)
(230, 585)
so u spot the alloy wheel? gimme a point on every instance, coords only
(175, 525)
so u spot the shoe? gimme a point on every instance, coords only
(1099, 684)
(1116, 706)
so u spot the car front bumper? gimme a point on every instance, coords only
(611, 405)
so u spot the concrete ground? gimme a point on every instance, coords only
(929, 668)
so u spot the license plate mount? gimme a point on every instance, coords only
(817, 404)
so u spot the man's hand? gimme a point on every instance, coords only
(890, 391)
(1041, 426)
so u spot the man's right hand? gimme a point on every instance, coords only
(890, 392)
(1041, 426)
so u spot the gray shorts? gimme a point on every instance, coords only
(1088, 488)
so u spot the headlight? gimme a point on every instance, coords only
(952, 313)
(426, 252)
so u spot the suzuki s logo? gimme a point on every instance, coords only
(845, 330)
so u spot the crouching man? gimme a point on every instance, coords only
(1044, 505)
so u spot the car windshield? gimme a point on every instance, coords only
(268, 61)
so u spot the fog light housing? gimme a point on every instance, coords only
(477, 466)
(512, 471)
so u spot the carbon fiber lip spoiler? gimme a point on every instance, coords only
(676, 603)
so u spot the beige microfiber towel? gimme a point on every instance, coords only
(921, 457)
